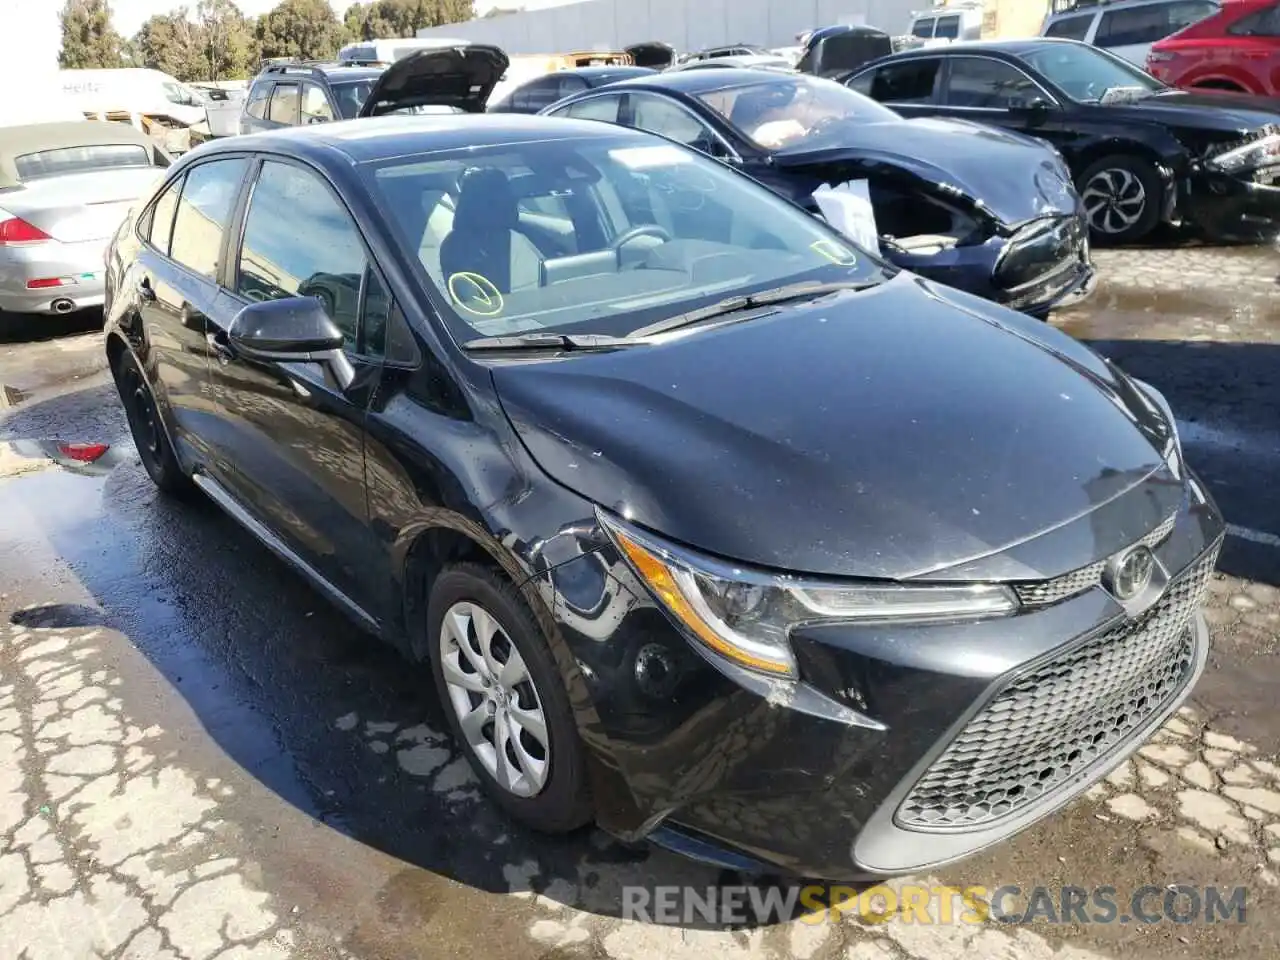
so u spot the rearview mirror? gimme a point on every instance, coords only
(291, 330)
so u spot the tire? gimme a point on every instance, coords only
(1109, 188)
(553, 797)
(148, 430)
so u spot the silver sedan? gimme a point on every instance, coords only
(64, 189)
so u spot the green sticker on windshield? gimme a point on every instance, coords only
(475, 293)
(835, 252)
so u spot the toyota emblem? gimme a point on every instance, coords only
(1131, 573)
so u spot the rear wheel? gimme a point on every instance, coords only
(504, 699)
(148, 431)
(1121, 196)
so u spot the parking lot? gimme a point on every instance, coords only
(205, 761)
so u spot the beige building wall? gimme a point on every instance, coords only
(1013, 18)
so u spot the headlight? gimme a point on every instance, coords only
(747, 616)
(1262, 152)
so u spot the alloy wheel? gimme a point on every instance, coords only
(1114, 200)
(494, 698)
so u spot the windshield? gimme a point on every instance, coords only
(1086, 73)
(784, 111)
(600, 235)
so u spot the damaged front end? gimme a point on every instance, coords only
(940, 230)
(1232, 192)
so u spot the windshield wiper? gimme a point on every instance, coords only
(751, 301)
(549, 341)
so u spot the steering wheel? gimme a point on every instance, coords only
(643, 230)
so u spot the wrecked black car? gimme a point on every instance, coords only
(990, 212)
(1141, 153)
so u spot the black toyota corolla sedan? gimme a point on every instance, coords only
(985, 210)
(715, 529)
(1141, 153)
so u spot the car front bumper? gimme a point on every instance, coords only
(78, 266)
(1233, 208)
(903, 747)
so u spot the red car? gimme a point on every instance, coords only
(1238, 48)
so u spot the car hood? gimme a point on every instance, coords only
(1015, 177)
(1219, 110)
(461, 77)
(893, 432)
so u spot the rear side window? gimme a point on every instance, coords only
(204, 209)
(162, 217)
(534, 96)
(284, 104)
(1119, 28)
(300, 241)
(913, 81)
(923, 28)
(1263, 23)
(256, 105)
(595, 108)
(86, 159)
(948, 28)
(1070, 28)
(315, 105)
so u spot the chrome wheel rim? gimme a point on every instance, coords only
(1114, 200)
(494, 698)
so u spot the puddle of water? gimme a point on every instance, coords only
(90, 459)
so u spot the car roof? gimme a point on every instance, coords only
(380, 138)
(606, 71)
(694, 82)
(1012, 48)
(1092, 8)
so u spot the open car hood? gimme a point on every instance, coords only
(1011, 177)
(461, 77)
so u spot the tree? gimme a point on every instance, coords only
(88, 38)
(390, 19)
(227, 39)
(172, 43)
(305, 29)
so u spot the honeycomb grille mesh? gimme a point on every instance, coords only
(1078, 581)
(1063, 716)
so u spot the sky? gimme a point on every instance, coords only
(36, 21)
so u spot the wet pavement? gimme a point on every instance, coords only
(199, 758)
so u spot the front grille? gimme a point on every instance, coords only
(1077, 581)
(1063, 716)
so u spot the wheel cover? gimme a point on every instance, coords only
(1114, 200)
(143, 414)
(492, 694)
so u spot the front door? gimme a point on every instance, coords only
(291, 438)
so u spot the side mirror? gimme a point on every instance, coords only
(291, 330)
(1036, 110)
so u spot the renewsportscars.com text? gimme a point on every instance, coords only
(908, 903)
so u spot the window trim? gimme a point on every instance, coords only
(734, 155)
(944, 69)
(229, 281)
(1053, 101)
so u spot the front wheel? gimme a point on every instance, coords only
(1121, 196)
(504, 699)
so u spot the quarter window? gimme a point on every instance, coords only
(910, 82)
(300, 241)
(204, 210)
(315, 105)
(989, 84)
(284, 104)
(1070, 28)
(1119, 28)
(256, 105)
(162, 217)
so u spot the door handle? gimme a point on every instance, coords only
(220, 346)
(145, 293)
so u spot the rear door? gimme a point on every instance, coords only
(1129, 32)
(289, 440)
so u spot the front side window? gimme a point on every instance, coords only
(666, 117)
(651, 230)
(1071, 28)
(988, 84)
(256, 105)
(204, 210)
(300, 241)
(912, 81)
(1147, 24)
(315, 105)
(284, 104)
(785, 111)
(1086, 73)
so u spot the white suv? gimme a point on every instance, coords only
(1126, 28)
